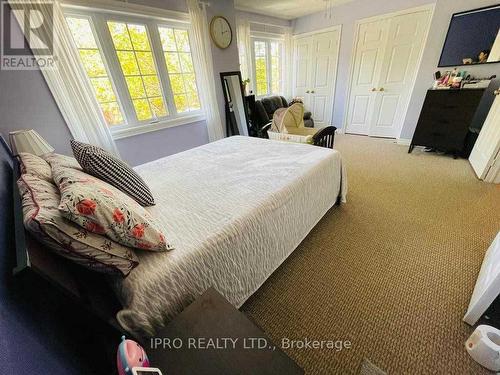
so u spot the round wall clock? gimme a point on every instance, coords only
(220, 31)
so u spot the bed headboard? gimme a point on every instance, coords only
(10, 168)
(89, 289)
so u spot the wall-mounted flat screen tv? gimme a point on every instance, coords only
(473, 38)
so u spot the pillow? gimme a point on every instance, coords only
(100, 208)
(109, 168)
(40, 199)
(62, 160)
(35, 166)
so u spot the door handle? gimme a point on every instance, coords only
(496, 92)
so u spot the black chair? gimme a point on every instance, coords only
(262, 112)
(263, 131)
(325, 137)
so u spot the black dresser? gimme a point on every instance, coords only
(445, 119)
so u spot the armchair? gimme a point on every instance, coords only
(264, 110)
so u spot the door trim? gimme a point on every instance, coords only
(427, 7)
(493, 175)
(337, 53)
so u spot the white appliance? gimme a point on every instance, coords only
(484, 347)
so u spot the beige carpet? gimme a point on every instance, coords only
(391, 271)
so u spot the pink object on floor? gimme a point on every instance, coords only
(130, 354)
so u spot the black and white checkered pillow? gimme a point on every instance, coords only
(101, 164)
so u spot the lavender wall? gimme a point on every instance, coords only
(145, 147)
(224, 60)
(347, 14)
(26, 102)
(254, 17)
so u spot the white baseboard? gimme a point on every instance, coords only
(403, 141)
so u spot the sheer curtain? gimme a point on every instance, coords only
(205, 72)
(244, 48)
(68, 82)
(288, 64)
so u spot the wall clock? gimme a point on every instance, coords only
(220, 32)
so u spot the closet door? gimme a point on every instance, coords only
(302, 64)
(324, 56)
(400, 60)
(369, 51)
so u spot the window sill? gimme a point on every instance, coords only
(131, 131)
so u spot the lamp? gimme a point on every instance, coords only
(29, 141)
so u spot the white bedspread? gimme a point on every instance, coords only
(234, 210)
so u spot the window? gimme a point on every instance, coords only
(133, 50)
(142, 71)
(260, 50)
(175, 44)
(267, 55)
(94, 66)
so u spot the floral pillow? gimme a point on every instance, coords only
(43, 220)
(62, 161)
(101, 208)
(35, 166)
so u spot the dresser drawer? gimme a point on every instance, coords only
(444, 123)
(442, 142)
(441, 138)
(451, 100)
(445, 118)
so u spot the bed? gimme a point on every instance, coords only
(234, 210)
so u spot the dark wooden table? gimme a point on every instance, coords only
(212, 337)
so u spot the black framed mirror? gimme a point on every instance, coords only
(235, 106)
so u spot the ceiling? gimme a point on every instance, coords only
(287, 9)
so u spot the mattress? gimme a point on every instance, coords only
(234, 210)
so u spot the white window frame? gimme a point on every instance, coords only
(104, 61)
(257, 37)
(98, 19)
